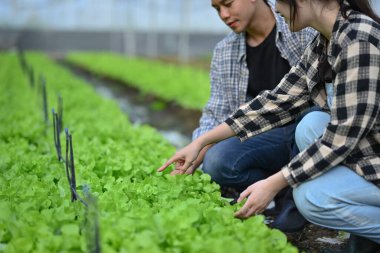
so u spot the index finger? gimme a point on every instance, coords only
(167, 163)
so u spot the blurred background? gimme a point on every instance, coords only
(175, 32)
(151, 28)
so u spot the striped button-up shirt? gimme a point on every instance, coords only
(229, 72)
(352, 138)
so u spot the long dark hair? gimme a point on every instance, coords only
(363, 6)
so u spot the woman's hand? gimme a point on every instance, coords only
(184, 159)
(260, 194)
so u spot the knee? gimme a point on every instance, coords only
(312, 203)
(310, 128)
(306, 206)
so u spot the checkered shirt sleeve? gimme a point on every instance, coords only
(352, 137)
(226, 63)
(217, 108)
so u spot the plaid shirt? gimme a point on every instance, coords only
(229, 72)
(352, 138)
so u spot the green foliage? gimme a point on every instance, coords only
(140, 210)
(185, 86)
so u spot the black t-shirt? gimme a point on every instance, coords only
(266, 66)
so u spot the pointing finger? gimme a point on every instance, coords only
(169, 162)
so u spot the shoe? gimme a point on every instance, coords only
(289, 219)
(357, 244)
(272, 212)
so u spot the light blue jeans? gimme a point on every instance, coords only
(339, 199)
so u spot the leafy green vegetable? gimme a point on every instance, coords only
(139, 209)
(186, 86)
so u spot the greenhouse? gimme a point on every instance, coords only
(95, 97)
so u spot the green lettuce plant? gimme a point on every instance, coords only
(139, 210)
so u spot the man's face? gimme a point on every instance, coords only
(237, 14)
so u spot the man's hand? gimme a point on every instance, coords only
(184, 158)
(195, 165)
(188, 156)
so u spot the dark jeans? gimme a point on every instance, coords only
(236, 164)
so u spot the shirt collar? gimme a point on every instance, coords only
(340, 19)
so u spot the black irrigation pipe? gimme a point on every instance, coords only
(57, 129)
(60, 113)
(44, 99)
(70, 168)
(31, 76)
(90, 203)
(57, 139)
(78, 197)
(21, 57)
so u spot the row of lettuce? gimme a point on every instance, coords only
(183, 85)
(138, 209)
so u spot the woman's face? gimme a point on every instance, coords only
(300, 20)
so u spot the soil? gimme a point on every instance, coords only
(312, 239)
(173, 121)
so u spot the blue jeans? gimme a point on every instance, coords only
(239, 164)
(339, 199)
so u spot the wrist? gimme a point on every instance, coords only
(278, 181)
(200, 142)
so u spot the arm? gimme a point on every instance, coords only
(185, 157)
(354, 112)
(267, 111)
(215, 111)
(274, 108)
